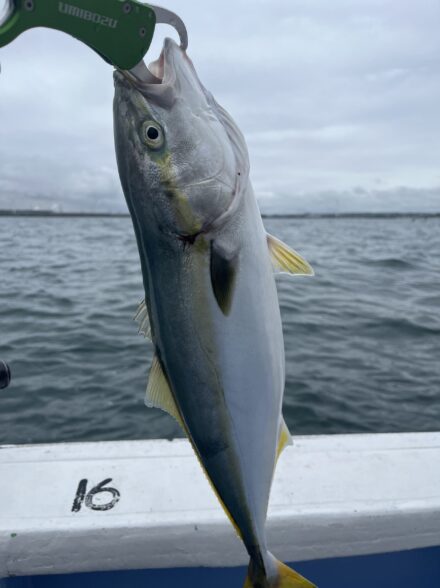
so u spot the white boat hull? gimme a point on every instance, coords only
(333, 496)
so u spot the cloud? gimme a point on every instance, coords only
(331, 97)
(357, 200)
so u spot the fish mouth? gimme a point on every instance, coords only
(157, 82)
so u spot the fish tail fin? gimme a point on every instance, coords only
(288, 578)
(281, 576)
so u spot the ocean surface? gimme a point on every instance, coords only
(362, 337)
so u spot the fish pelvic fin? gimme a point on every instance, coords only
(286, 260)
(281, 576)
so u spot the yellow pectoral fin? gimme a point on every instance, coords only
(285, 259)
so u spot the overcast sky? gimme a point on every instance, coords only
(339, 102)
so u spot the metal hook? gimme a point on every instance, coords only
(165, 16)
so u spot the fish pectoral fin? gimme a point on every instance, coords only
(143, 320)
(159, 394)
(286, 260)
(284, 438)
(223, 271)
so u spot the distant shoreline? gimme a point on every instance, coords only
(317, 215)
(355, 215)
(49, 213)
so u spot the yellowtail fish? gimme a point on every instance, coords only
(211, 307)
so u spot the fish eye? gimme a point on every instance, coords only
(152, 134)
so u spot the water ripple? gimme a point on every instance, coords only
(362, 337)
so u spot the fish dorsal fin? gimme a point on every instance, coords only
(143, 320)
(284, 259)
(284, 438)
(159, 394)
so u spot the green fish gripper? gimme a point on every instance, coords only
(119, 30)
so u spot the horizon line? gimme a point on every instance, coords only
(292, 215)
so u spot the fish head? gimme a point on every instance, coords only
(182, 160)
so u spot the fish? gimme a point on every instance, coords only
(211, 307)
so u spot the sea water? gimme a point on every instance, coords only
(362, 337)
